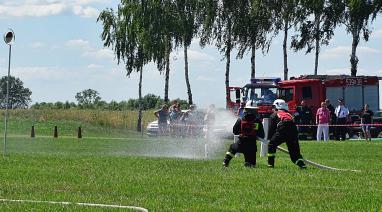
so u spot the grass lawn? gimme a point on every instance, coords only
(173, 175)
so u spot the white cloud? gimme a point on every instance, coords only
(41, 8)
(192, 56)
(43, 73)
(204, 78)
(86, 12)
(376, 34)
(100, 54)
(94, 66)
(345, 51)
(346, 71)
(36, 9)
(77, 43)
(36, 45)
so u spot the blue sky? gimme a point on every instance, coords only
(58, 52)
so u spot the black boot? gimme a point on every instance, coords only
(250, 165)
(226, 160)
(271, 161)
(300, 163)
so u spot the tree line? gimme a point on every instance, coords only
(20, 98)
(143, 31)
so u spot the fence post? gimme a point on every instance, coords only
(55, 132)
(32, 132)
(79, 133)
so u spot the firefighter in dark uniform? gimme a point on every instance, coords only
(283, 129)
(305, 117)
(248, 128)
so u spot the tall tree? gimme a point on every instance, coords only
(87, 97)
(253, 25)
(322, 17)
(288, 13)
(357, 17)
(19, 96)
(186, 13)
(125, 32)
(163, 35)
(217, 25)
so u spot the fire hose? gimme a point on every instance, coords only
(317, 165)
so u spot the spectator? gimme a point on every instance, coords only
(332, 115)
(191, 120)
(322, 120)
(162, 116)
(342, 114)
(175, 114)
(304, 118)
(366, 120)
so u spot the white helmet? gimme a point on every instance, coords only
(251, 105)
(280, 104)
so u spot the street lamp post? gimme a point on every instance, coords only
(9, 38)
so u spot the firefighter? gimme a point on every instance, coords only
(248, 128)
(283, 129)
(305, 118)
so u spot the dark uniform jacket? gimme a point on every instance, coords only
(252, 118)
(305, 115)
(274, 126)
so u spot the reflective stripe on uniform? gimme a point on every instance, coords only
(271, 154)
(256, 126)
(299, 160)
(230, 154)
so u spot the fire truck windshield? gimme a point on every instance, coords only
(262, 96)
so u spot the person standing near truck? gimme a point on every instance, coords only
(304, 118)
(322, 121)
(366, 120)
(342, 114)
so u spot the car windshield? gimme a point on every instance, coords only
(261, 95)
(378, 114)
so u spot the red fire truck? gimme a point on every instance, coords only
(314, 89)
(355, 91)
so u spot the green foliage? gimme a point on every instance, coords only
(87, 98)
(19, 96)
(327, 15)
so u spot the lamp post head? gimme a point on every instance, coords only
(9, 37)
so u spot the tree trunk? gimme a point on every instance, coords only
(253, 62)
(353, 57)
(285, 50)
(186, 76)
(227, 66)
(139, 122)
(317, 37)
(167, 74)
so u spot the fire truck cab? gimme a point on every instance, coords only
(263, 91)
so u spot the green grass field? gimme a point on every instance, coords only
(162, 174)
